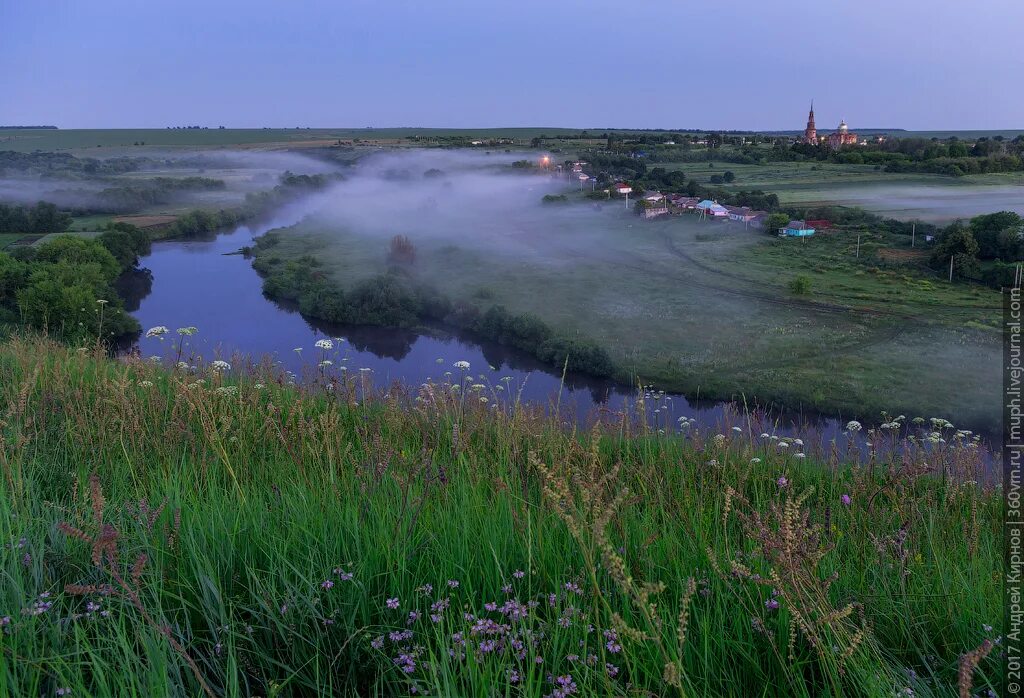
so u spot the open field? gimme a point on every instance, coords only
(222, 533)
(904, 196)
(704, 308)
(27, 140)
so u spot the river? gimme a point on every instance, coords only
(205, 284)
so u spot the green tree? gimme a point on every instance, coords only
(774, 222)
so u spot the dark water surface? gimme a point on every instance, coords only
(200, 283)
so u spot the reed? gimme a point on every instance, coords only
(175, 530)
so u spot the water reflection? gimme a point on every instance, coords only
(204, 283)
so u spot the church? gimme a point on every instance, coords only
(842, 136)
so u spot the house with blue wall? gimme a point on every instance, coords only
(796, 229)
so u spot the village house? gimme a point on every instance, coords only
(745, 214)
(798, 229)
(712, 208)
(683, 203)
(622, 189)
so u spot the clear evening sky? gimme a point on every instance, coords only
(739, 64)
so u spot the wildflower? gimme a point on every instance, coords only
(755, 461)
(325, 363)
(519, 574)
(845, 499)
(782, 481)
(406, 662)
(566, 686)
(507, 589)
(63, 692)
(220, 366)
(343, 575)
(259, 386)
(324, 344)
(5, 621)
(326, 584)
(573, 587)
(799, 455)
(853, 425)
(157, 331)
(737, 430)
(771, 604)
(392, 603)
(461, 365)
(766, 435)
(145, 384)
(783, 444)
(413, 617)
(187, 331)
(453, 583)
(101, 301)
(612, 670)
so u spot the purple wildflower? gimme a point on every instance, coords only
(566, 686)
(392, 603)
(326, 584)
(846, 500)
(377, 642)
(771, 604)
(519, 574)
(507, 589)
(453, 583)
(612, 670)
(406, 662)
(782, 482)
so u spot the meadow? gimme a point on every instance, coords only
(209, 529)
(904, 196)
(704, 308)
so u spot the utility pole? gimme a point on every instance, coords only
(913, 235)
(951, 268)
(858, 245)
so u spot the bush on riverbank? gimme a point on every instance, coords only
(65, 286)
(396, 299)
(215, 529)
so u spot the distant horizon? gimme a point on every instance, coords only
(592, 129)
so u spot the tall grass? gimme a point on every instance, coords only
(221, 531)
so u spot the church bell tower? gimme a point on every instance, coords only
(811, 133)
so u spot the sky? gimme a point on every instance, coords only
(736, 64)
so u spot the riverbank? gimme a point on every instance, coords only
(272, 538)
(702, 309)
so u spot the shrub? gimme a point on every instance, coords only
(800, 285)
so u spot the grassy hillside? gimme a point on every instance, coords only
(217, 530)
